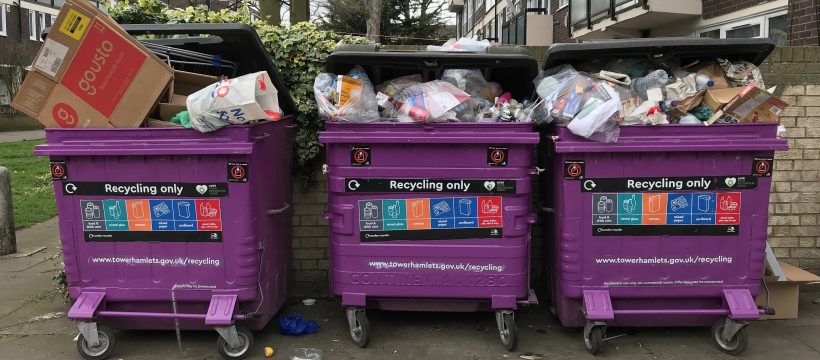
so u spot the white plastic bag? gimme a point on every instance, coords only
(595, 113)
(234, 101)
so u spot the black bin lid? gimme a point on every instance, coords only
(683, 49)
(509, 66)
(238, 43)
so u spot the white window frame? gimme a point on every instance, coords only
(3, 25)
(562, 4)
(32, 25)
(54, 19)
(42, 26)
(760, 19)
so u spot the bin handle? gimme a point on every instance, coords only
(279, 210)
(290, 126)
(547, 209)
(260, 137)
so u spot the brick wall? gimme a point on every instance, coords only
(560, 33)
(713, 8)
(803, 22)
(794, 210)
(310, 239)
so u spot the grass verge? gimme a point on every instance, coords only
(31, 188)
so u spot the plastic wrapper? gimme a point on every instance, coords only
(742, 73)
(440, 100)
(295, 325)
(391, 88)
(462, 44)
(349, 98)
(593, 120)
(472, 82)
(306, 354)
(702, 112)
(648, 113)
(234, 101)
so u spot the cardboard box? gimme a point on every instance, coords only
(90, 73)
(784, 295)
(716, 99)
(151, 123)
(184, 84)
(187, 83)
(754, 104)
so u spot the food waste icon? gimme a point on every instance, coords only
(371, 211)
(92, 211)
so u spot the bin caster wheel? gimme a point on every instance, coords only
(103, 350)
(239, 352)
(359, 327)
(734, 346)
(594, 340)
(507, 329)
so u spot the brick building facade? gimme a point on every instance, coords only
(804, 22)
(713, 8)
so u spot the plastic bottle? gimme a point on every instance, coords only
(703, 81)
(680, 74)
(655, 79)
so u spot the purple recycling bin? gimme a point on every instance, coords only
(169, 228)
(430, 217)
(666, 227)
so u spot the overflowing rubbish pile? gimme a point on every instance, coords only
(461, 95)
(593, 103)
(592, 99)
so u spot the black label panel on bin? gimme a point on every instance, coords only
(668, 230)
(59, 170)
(573, 169)
(762, 167)
(237, 171)
(484, 186)
(144, 189)
(497, 155)
(153, 236)
(360, 156)
(431, 218)
(693, 183)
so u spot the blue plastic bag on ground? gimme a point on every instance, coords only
(294, 325)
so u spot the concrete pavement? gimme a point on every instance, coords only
(33, 326)
(12, 136)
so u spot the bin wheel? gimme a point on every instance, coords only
(360, 331)
(241, 352)
(595, 339)
(101, 351)
(734, 346)
(509, 332)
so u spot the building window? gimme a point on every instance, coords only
(32, 25)
(53, 20)
(42, 26)
(488, 5)
(778, 30)
(772, 25)
(562, 4)
(714, 34)
(3, 19)
(744, 32)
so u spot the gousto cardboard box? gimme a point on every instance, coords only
(90, 73)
